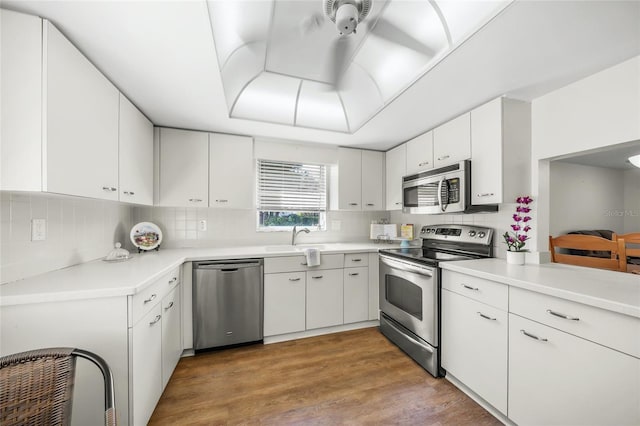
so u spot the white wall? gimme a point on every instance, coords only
(78, 230)
(228, 227)
(632, 201)
(585, 198)
(598, 111)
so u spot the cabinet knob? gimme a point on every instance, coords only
(486, 316)
(353, 204)
(356, 260)
(317, 277)
(468, 287)
(444, 157)
(169, 307)
(222, 201)
(397, 204)
(354, 274)
(129, 193)
(153, 296)
(533, 336)
(109, 188)
(559, 315)
(157, 318)
(173, 280)
(486, 194)
(424, 163)
(195, 200)
(370, 204)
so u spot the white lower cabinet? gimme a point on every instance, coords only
(171, 333)
(556, 378)
(474, 346)
(284, 303)
(146, 366)
(324, 298)
(356, 294)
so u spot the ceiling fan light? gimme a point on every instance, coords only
(635, 160)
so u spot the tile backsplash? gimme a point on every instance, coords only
(77, 230)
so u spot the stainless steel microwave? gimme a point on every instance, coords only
(441, 191)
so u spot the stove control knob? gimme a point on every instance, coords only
(472, 233)
(481, 234)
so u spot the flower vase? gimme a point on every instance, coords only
(515, 257)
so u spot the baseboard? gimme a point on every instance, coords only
(484, 404)
(320, 331)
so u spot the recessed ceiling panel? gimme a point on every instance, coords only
(361, 96)
(237, 24)
(464, 17)
(243, 66)
(270, 97)
(320, 107)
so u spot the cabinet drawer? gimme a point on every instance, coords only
(485, 291)
(142, 302)
(356, 260)
(299, 263)
(607, 328)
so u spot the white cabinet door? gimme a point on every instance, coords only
(284, 303)
(486, 153)
(420, 153)
(356, 294)
(372, 180)
(135, 155)
(349, 179)
(396, 169)
(184, 168)
(21, 111)
(474, 346)
(146, 369)
(81, 123)
(452, 141)
(231, 171)
(324, 298)
(566, 380)
(171, 333)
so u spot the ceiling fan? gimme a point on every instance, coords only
(347, 15)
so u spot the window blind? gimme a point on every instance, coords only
(295, 187)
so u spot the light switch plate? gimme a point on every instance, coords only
(38, 229)
(202, 225)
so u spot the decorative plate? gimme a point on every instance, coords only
(146, 236)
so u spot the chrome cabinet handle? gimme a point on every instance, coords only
(157, 318)
(173, 280)
(558, 314)
(129, 193)
(353, 274)
(397, 204)
(469, 287)
(444, 157)
(169, 307)
(303, 263)
(353, 204)
(109, 188)
(370, 204)
(222, 201)
(533, 336)
(424, 163)
(153, 296)
(486, 194)
(195, 200)
(486, 316)
(356, 260)
(294, 279)
(317, 277)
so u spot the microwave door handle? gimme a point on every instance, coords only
(440, 193)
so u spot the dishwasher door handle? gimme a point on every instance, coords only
(227, 266)
(230, 270)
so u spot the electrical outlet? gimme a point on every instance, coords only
(38, 229)
(202, 225)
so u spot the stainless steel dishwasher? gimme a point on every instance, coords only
(227, 302)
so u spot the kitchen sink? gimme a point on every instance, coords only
(315, 246)
(289, 247)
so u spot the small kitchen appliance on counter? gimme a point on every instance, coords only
(410, 287)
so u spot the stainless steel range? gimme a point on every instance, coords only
(410, 287)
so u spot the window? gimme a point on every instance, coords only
(291, 194)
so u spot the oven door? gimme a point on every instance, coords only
(409, 296)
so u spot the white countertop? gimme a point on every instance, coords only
(614, 291)
(103, 279)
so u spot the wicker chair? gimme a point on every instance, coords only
(36, 387)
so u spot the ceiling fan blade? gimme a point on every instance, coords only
(393, 33)
(340, 51)
(311, 23)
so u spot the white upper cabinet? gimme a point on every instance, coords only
(184, 168)
(452, 141)
(500, 147)
(231, 171)
(372, 180)
(396, 169)
(420, 153)
(135, 155)
(81, 125)
(349, 179)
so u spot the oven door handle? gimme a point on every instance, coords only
(403, 266)
(410, 337)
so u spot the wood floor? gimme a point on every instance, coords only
(355, 377)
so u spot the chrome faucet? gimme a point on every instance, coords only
(295, 232)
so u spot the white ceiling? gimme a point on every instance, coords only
(161, 55)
